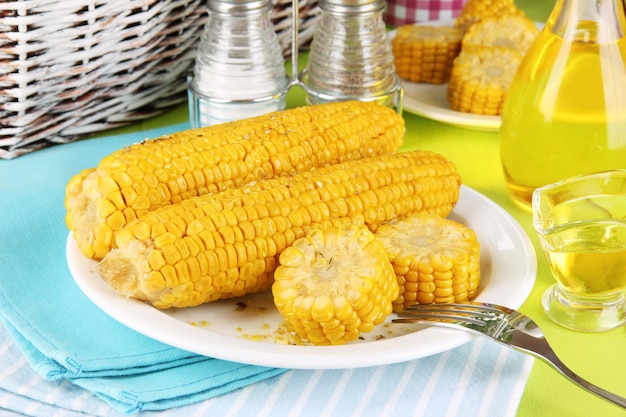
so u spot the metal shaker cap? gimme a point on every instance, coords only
(238, 7)
(352, 6)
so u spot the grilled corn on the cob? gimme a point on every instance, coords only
(481, 78)
(166, 170)
(436, 260)
(226, 245)
(425, 53)
(334, 284)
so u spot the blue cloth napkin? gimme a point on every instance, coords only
(60, 332)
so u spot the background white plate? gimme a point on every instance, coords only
(245, 330)
(430, 101)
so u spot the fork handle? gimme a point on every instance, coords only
(542, 350)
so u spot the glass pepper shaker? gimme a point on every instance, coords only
(351, 56)
(239, 70)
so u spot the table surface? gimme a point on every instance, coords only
(598, 357)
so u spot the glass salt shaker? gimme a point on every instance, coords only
(239, 70)
(350, 55)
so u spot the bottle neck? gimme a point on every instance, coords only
(586, 21)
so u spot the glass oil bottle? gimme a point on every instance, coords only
(565, 113)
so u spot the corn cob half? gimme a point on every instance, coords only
(508, 31)
(481, 78)
(166, 170)
(436, 260)
(475, 10)
(334, 284)
(227, 244)
(425, 53)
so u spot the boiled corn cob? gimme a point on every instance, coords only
(481, 78)
(508, 31)
(334, 284)
(425, 53)
(227, 244)
(475, 10)
(148, 175)
(436, 260)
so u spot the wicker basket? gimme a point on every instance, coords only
(73, 67)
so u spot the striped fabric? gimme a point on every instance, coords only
(480, 378)
(403, 12)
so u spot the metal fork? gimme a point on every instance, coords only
(504, 325)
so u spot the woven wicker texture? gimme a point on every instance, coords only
(73, 67)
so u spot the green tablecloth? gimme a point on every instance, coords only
(600, 357)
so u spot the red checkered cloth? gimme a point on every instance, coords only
(403, 12)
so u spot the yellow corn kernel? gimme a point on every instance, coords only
(475, 10)
(507, 31)
(425, 53)
(481, 78)
(332, 282)
(424, 181)
(147, 175)
(436, 260)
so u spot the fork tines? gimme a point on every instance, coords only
(470, 312)
(462, 308)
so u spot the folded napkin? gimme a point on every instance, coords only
(61, 355)
(62, 334)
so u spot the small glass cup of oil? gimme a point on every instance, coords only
(581, 223)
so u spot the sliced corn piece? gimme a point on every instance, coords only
(475, 10)
(425, 53)
(481, 78)
(334, 284)
(509, 31)
(436, 260)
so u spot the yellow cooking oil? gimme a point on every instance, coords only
(565, 112)
(587, 254)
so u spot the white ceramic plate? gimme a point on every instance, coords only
(248, 329)
(430, 101)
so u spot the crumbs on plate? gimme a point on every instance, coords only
(281, 335)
